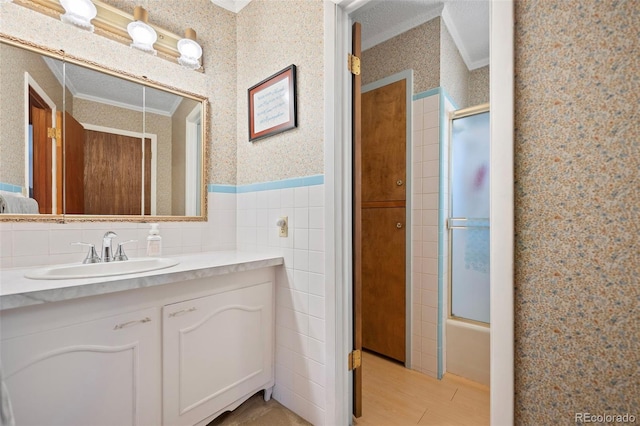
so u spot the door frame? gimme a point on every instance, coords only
(29, 81)
(194, 118)
(154, 153)
(408, 76)
(338, 213)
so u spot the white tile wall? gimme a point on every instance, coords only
(300, 295)
(246, 221)
(32, 244)
(424, 233)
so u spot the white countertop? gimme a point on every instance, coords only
(17, 291)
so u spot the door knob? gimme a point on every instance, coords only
(398, 225)
(399, 182)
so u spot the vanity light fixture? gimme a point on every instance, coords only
(123, 27)
(190, 50)
(141, 33)
(79, 13)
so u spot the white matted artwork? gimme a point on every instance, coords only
(272, 105)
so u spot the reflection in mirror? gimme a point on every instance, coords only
(103, 144)
(129, 149)
(176, 123)
(32, 102)
(122, 174)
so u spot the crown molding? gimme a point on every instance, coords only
(234, 6)
(455, 35)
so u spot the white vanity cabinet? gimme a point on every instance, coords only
(100, 372)
(173, 353)
(216, 350)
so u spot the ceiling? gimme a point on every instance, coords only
(466, 20)
(85, 83)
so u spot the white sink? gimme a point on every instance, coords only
(93, 270)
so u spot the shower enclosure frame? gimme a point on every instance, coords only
(460, 113)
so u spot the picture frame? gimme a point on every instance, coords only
(272, 105)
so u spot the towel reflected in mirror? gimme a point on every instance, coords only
(16, 203)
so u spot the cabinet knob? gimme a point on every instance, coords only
(399, 225)
(399, 182)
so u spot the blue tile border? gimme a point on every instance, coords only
(10, 188)
(436, 91)
(226, 189)
(266, 186)
(426, 94)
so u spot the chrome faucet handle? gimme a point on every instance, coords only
(92, 256)
(120, 254)
(107, 246)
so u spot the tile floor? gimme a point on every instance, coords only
(392, 396)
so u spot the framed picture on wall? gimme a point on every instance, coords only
(272, 105)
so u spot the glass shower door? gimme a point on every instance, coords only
(469, 222)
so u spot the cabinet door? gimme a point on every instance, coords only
(102, 372)
(216, 350)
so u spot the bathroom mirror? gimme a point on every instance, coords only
(83, 143)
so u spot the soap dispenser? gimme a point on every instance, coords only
(154, 241)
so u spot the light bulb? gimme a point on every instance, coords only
(190, 50)
(142, 34)
(79, 13)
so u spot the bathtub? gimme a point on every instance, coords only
(467, 350)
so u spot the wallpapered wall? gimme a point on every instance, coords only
(479, 86)
(454, 74)
(273, 34)
(577, 159)
(175, 16)
(12, 107)
(215, 28)
(417, 49)
(429, 50)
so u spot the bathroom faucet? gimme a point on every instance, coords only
(107, 248)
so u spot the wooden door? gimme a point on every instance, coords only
(74, 142)
(356, 293)
(383, 278)
(384, 130)
(42, 159)
(383, 152)
(113, 174)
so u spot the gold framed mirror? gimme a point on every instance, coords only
(83, 142)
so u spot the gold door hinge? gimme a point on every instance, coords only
(353, 63)
(355, 359)
(54, 133)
